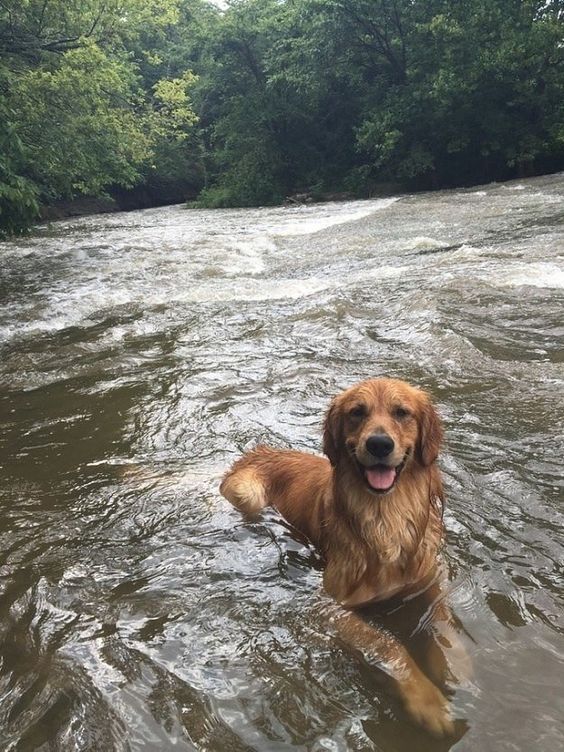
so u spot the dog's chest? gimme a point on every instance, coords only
(378, 583)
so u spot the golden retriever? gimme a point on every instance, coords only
(373, 510)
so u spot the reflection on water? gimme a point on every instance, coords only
(142, 352)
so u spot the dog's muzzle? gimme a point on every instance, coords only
(381, 477)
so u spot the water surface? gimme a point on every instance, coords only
(143, 352)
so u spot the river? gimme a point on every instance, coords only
(143, 352)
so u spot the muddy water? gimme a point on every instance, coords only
(142, 352)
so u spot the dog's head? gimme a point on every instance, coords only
(382, 428)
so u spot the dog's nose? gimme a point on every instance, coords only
(379, 445)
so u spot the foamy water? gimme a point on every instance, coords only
(143, 352)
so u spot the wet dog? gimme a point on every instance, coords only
(374, 511)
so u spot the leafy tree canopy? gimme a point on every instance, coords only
(77, 114)
(257, 99)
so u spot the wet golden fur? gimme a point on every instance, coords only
(374, 546)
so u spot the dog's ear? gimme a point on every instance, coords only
(430, 433)
(332, 432)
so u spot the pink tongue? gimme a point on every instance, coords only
(381, 478)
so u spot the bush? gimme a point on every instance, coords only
(18, 195)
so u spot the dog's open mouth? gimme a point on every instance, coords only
(381, 478)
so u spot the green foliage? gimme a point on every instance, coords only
(350, 93)
(75, 102)
(79, 123)
(264, 98)
(481, 97)
(18, 196)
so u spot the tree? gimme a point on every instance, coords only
(72, 96)
(268, 97)
(481, 96)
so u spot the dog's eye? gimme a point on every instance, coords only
(358, 411)
(400, 412)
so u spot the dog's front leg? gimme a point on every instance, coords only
(424, 702)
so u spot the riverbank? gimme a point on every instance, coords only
(170, 193)
(163, 193)
(147, 197)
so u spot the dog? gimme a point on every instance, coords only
(374, 511)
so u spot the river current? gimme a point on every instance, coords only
(142, 352)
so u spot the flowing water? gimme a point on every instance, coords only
(143, 352)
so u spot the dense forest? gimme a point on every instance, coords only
(246, 102)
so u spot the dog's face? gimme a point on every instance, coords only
(381, 428)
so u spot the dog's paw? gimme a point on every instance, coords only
(459, 661)
(428, 707)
